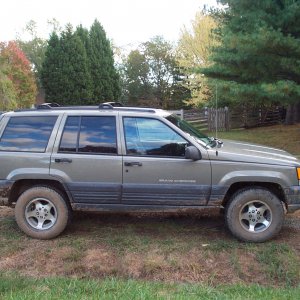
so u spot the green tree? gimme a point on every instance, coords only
(164, 72)
(151, 76)
(66, 77)
(258, 60)
(76, 79)
(51, 75)
(106, 81)
(137, 76)
(79, 67)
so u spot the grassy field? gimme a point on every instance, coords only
(157, 256)
(20, 288)
(279, 136)
(154, 256)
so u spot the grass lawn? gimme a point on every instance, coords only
(15, 287)
(279, 136)
(154, 256)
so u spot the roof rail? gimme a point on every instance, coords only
(47, 105)
(121, 107)
(110, 105)
(118, 106)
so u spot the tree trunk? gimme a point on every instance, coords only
(297, 112)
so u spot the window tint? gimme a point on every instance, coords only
(145, 136)
(96, 135)
(27, 133)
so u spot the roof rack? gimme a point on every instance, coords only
(121, 107)
(105, 106)
(111, 105)
(47, 105)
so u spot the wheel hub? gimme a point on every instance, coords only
(255, 216)
(41, 214)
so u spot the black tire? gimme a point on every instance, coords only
(254, 215)
(42, 213)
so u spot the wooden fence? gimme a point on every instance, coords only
(209, 119)
(244, 117)
(218, 118)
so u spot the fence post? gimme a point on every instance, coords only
(227, 119)
(179, 113)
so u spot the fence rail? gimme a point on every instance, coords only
(224, 118)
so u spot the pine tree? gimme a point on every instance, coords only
(79, 67)
(51, 75)
(66, 77)
(258, 61)
(76, 78)
(105, 78)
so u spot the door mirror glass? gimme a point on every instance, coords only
(191, 152)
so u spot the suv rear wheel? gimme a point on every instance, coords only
(41, 212)
(254, 215)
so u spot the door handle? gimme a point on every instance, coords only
(133, 163)
(63, 160)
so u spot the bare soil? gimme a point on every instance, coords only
(186, 247)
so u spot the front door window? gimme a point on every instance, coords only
(151, 137)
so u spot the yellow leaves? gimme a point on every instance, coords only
(194, 46)
(193, 52)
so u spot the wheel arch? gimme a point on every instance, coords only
(22, 185)
(275, 188)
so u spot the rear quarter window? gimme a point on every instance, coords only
(27, 134)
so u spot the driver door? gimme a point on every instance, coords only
(155, 171)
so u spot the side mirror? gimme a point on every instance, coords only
(191, 152)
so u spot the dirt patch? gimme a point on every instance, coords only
(100, 261)
(6, 211)
(162, 247)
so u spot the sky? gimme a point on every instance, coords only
(126, 22)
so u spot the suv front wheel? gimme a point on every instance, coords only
(41, 212)
(254, 215)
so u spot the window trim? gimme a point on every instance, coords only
(78, 136)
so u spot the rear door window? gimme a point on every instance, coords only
(89, 134)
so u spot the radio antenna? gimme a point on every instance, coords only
(216, 120)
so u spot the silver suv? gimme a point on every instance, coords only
(110, 158)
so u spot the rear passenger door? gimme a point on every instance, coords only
(86, 159)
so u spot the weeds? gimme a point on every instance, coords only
(281, 263)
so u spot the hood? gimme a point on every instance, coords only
(246, 152)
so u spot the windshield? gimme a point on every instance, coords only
(188, 128)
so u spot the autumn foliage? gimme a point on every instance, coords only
(17, 82)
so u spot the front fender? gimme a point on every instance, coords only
(255, 176)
